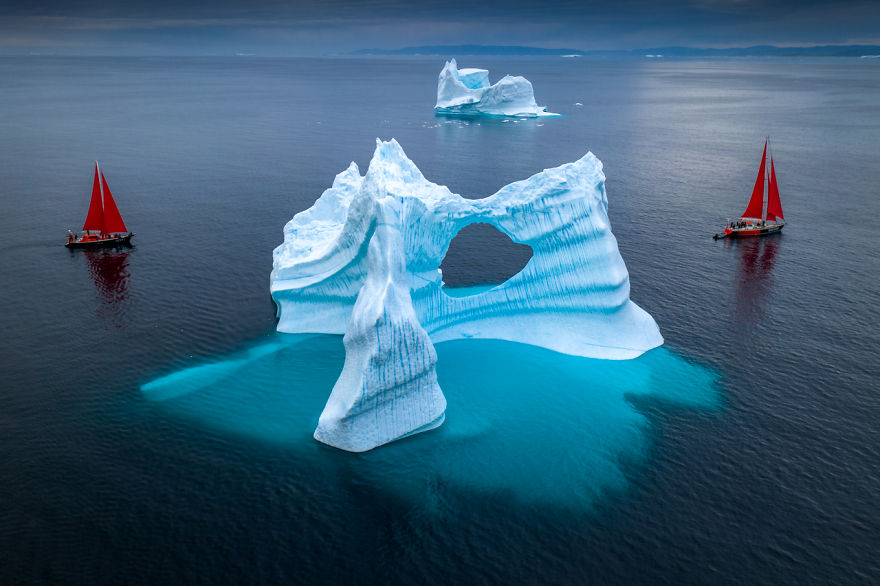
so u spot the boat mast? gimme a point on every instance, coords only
(98, 171)
(774, 205)
(767, 178)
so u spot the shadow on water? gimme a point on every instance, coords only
(527, 423)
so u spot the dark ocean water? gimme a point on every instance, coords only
(746, 450)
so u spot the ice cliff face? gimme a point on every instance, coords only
(364, 261)
(466, 92)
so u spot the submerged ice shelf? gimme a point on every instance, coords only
(533, 425)
(467, 92)
(364, 261)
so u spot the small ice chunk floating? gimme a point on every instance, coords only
(364, 261)
(466, 92)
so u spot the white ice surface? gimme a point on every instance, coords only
(364, 261)
(467, 92)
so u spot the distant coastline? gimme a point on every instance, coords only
(470, 50)
(755, 51)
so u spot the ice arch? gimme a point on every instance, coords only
(364, 261)
(480, 254)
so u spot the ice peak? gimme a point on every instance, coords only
(390, 169)
(345, 179)
(389, 150)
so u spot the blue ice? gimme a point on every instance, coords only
(522, 422)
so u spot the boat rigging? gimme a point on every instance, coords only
(755, 221)
(104, 225)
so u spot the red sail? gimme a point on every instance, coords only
(95, 217)
(755, 208)
(112, 220)
(774, 205)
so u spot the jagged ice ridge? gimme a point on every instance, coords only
(466, 92)
(364, 261)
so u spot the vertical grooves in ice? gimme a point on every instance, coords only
(388, 386)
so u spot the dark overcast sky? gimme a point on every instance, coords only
(314, 27)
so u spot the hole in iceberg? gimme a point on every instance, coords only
(479, 257)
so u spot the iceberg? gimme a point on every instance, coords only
(364, 261)
(466, 92)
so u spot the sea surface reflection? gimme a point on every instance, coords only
(110, 271)
(755, 282)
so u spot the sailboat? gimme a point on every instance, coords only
(755, 221)
(103, 225)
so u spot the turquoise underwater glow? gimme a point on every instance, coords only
(535, 425)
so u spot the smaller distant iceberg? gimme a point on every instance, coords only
(467, 92)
